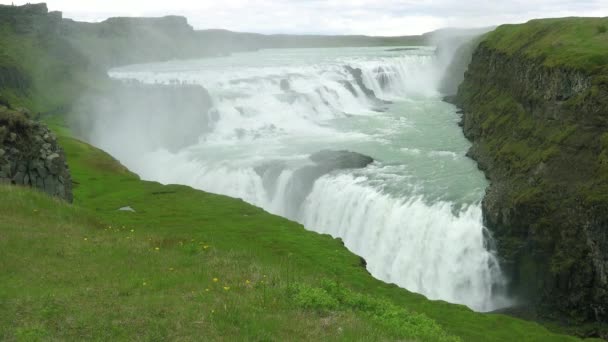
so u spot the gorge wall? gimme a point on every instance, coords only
(535, 101)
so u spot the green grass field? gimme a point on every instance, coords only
(578, 43)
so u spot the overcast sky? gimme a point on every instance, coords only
(372, 17)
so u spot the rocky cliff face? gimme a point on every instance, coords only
(540, 132)
(30, 155)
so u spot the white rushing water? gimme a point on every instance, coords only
(413, 214)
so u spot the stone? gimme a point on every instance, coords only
(40, 183)
(127, 208)
(338, 160)
(285, 86)
(18, 178)
(53, 163)
(49, 185)
(40, 169)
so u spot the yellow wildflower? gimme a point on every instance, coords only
(215, 280)
(226, 288)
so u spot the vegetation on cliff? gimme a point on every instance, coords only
(536, 107)
(575, 43)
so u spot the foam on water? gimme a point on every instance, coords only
(414, 214)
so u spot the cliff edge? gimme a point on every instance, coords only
(535, 101)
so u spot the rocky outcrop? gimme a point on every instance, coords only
(540, 133)
(30, 155)
(357, 75)
(304, 176)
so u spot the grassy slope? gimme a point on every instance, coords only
(578, 43)
(90, 271)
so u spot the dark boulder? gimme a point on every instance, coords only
(383, 78)
(339, 160)
(285, 85)
(324, 162)
(358, 76)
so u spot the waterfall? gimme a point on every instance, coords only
(414, 217)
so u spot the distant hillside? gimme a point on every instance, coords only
(119, 41)
(250, 41)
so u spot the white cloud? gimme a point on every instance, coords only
(373, 17)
